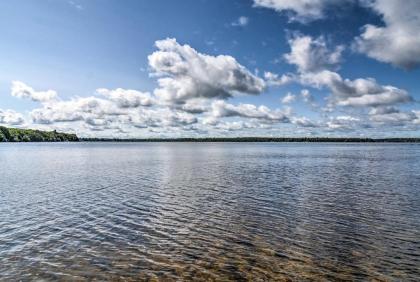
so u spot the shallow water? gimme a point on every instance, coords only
(209, 211)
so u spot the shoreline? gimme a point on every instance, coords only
(16, 135)
(260, 139)
(241, 140)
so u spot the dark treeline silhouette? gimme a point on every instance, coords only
(30, 135)
(259, 139)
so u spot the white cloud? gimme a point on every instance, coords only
(299, 10)
(398, 118)
(127, 98)
(395, 42)
(276, 80)
(98, 114)
(304, 122)
(315, 61)
(241, 21)
(195, 106)
(398, 41)
(361, 92)
(289, 98)
(311, 55)
(345, 123)
(389, 96)
(306, 96)
(119, 111)
(160, 118)
(185, 74)
(383, 110)
(235, 125)
(417, 120)
(21, 90)
(10, 117)
(77, 109)
(392, 116)
(222, 109)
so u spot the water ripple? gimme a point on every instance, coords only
(210, 212)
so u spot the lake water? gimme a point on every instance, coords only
(209, 211)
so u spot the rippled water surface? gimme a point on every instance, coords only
(209, 211)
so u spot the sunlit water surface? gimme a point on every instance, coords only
(210, 211)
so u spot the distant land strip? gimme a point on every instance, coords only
(31, 135)
(260, 139)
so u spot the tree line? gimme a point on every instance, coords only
(30, 135)
(258, 139)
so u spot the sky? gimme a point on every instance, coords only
(200, 68)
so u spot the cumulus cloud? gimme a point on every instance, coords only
(87, 108)
(10, 117)
(160, 118)
(289, 98)
(127, 98)
(21, 90)
(311, 55)
(98, 114)
(315, 63)
(304, 122)
(241, 126)
(399, 118)
(222, 109)
(361, 92)
(307, 97)
(117, 108)
(345, 123)
(185, 73)
(299, 10)
(241, 21)
(195, 106)
(397, 42)
(392, 116)
(273, 79)
(389, 96)
(417, 120)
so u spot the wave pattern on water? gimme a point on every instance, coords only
(210, 212)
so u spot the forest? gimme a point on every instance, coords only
(30, 135)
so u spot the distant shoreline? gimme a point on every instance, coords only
(31, 135)
(260, 139)
(15, 135)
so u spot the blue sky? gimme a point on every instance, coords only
(211, 67)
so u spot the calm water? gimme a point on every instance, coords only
(220, 211)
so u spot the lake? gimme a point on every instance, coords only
(209, 211)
